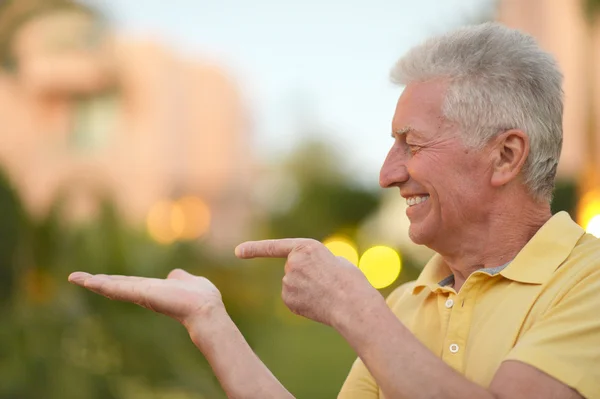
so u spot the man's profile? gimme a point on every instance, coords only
(507, 308)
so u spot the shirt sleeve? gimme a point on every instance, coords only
(565, 343)
(360, 384)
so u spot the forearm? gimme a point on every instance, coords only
(241, 373)
(401, 365)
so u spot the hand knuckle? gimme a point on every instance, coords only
(306, 246)
(288, 267)
(285, 297)
(312, 244)
(289, 302)
(293, 266)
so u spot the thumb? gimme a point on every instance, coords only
(180, 274)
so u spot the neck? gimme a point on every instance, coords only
(497, 238)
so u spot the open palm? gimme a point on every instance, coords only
(181, 295)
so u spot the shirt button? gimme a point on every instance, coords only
(449, 303)
(453, 348)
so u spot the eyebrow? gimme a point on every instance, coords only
(401, 131)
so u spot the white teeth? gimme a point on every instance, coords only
(416, 200)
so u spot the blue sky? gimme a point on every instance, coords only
(318, 66)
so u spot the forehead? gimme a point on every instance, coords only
(419, 108)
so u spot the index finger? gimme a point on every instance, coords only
(280, 248)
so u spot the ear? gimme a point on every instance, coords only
(509, 153)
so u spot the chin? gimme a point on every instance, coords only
(424, 224)
(419, 234)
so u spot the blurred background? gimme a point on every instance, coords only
(139, 136)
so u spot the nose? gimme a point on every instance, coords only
(393, 171)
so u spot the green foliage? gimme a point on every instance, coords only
(10, 230)
(591, 8)
(565, 197)
(324, 208)
(326, 203)
(58, 341)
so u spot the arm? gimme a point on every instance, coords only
(332, 291)
(241, 373)
(404, 368)
(197, 304)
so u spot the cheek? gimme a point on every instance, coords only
(450, 180)
(466, 188)
(430, 170)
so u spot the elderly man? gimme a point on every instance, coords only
(508, 308)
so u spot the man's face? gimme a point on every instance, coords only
(446, 184)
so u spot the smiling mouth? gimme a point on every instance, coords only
(416, 200)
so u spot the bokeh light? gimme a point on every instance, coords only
(341, 246)
(176, 219)
(196, 217)
(159, 223)
(185, 219)
(381, 265)
(589, 208)
(593, 227)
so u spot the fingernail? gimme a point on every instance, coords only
(239, 251)
(78, 277)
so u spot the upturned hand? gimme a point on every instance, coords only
(182, 296)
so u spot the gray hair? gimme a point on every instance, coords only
(500, 79)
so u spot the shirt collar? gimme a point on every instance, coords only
(534, 264)
(435, 270)
(546, 251)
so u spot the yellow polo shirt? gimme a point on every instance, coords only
(542, 309)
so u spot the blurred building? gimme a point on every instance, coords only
(85, 115)
(562, 28)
